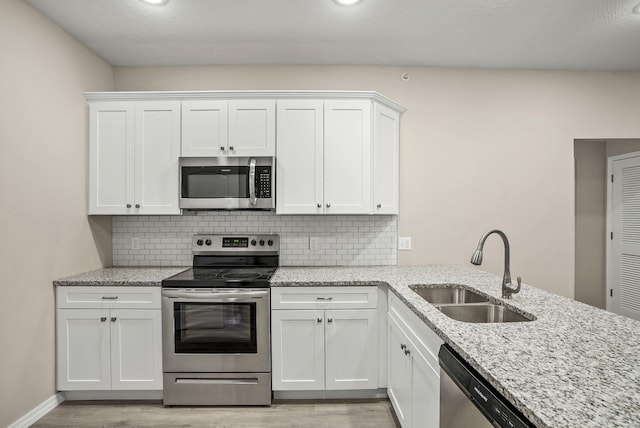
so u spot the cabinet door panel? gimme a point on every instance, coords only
(351, 349)
(399, 386)
(252, 128)
(425, 391)
(298, 350)
(111, 134)
(347, 157)
(157, 143)
(299, 157)
(204, 127)
(83, 358)
(136, 349)
(385, 160)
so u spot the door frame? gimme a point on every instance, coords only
(609, 250)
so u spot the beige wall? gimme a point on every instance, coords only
(591, 215)
(43, 151)
(479, 149)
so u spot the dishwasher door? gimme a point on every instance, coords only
(456, 409)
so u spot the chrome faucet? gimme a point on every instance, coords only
(476, 259)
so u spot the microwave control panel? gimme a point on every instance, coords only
(263, 182)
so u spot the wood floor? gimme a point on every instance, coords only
(287, 414)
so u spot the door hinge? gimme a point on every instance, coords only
(611, 292)
(612, 178)
(611, 235)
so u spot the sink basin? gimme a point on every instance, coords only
(448, 294)
(482, 313)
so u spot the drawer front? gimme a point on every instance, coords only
(416, 329)
(108, 297)
(363, 297)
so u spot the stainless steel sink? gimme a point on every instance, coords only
(481, 313)
(448, 294)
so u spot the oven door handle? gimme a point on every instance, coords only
(222, 296)
(252, 182)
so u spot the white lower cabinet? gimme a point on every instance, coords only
(108, 345)
(414, 373)
(324, 349)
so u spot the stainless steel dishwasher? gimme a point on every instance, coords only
(467, 400)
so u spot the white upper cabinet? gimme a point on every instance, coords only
(228, 128)
(337, 156)
(133, 157)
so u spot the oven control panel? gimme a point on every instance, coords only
(235, 243)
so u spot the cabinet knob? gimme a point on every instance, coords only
(103, 319)
(403, 346)
(128, 205)
(222, 148)
(231, 148)
(319, 205)
(328, 205)
(137, 205)
(407, 352)
(379, 206)
(113, 319)
(319, 319)
(329, 320)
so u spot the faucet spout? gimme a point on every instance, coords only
(476, 259)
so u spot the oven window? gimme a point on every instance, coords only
(215, 328)
(215, 182)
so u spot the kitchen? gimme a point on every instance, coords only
(509, 133)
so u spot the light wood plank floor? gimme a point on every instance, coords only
(286, 414)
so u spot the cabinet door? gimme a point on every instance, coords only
(399, 386)
(252, 128)
(386, 133)
(425, 391)
(83, 343)
(347, 157)
(297, 349)
(111, 174)
(204, 127)
(299, 157)
(351, 350)
(136, 349)
(157, 148)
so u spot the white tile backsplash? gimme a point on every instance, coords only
(342, 240)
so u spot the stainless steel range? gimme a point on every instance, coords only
(216, 323)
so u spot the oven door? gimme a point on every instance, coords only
(216, 330)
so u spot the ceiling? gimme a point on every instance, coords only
(524, 34)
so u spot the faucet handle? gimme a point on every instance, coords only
(517, 289)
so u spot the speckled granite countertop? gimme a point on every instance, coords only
(121, 276)
(574, 366)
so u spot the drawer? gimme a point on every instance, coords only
(108, 297)
(363, 297)
(419, 332)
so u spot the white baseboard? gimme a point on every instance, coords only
(38, 411)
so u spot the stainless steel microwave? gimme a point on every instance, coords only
(227, 183)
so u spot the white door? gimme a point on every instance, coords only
(299, 157)
(351, 349)
(297, 338)
(136, 349)
(204, 127)
(157, 148)
(425, 391)
(111, 134)
(399, 386)
(347, 157)
(386, 134)
(624, 222)
(252, 128)
(83, 342)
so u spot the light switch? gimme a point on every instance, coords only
(135, 243)
(404, 243)
(314, 243)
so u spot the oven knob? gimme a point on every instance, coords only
(253, 242)
(270, 242)
(199, 242)
(208, 242)
(262, 242)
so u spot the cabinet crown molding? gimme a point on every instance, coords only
(194, 95)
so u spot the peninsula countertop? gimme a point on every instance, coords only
(574, 366)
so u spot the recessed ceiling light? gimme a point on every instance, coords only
(155, 2)
(347, 2)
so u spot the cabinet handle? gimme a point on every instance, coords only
(128, 205)
(319, 205)
(328, 205)
(109, 297)
(403, 346)
(329, 320)
(103, 319)
(137, 205)
(113, 319)
(407, 352)
(319, 319)
(324, 298)
(231, 148)
(379, 205)
(222, 148)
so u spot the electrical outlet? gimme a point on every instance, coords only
(314, 243)
(135, 243)
(404, 243)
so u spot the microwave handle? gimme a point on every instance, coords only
(252, 181)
